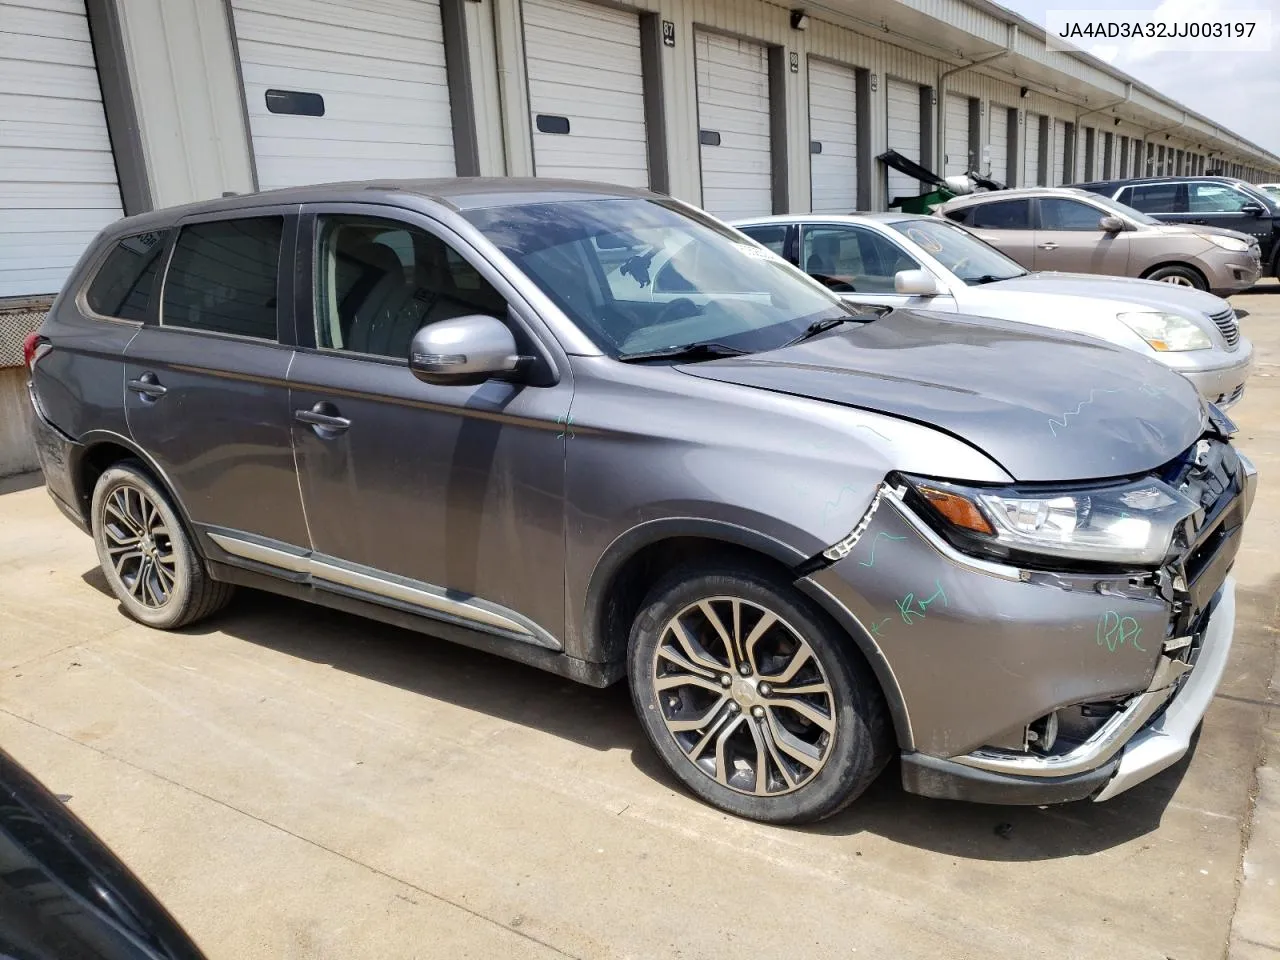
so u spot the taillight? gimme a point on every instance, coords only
(33, 348)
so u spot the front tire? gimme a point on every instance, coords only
(1178, 276)
(753, 698)
(145, 552)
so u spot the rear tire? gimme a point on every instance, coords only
(785, 723)
(1178, 276)
(145, 552)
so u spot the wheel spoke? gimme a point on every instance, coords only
(798, 660)
(802, 690)
(117, 510)
(762, 756)
(766, 733)
(122, 559)
(168, 577)
(714, 619)
(762, 626)
(701, 745)
(685, 726)
(670, 654)
(138, 579)
(806, 710)
(693, 650)
(687, 680)
(722, 771)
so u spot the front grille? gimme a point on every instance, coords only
(1228, 326)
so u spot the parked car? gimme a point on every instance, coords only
(1223, 202)
(903, 260)
(63, 894)
(810, 538)
(1271, 189)
(1061, 228)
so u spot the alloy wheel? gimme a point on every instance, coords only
(1177, 280)
(139, 546)
(744, 696)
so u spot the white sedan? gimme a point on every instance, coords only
(904, 260)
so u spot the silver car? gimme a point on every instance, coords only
(904, 260)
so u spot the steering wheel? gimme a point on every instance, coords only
(677, 309)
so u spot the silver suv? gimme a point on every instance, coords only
(1075, 231)
(809, 538)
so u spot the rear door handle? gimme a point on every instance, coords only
(1049, 245)
(148, 387)
(324, 418)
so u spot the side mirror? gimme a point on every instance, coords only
(916, 283)
(1253, 209)
(463, 350)
(1111, 224)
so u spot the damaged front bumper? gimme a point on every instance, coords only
(981, 659)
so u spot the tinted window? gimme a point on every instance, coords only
(851, 259)
(378, 282)
(1058, 213)
(222, 277)
(1215, 198)
(1005, 215)
(771, 235)
(123, 285)
(960, 216)
(958, 250)
(1152, 197)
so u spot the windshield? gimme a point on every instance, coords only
(1125, 210)
(638, 275)
(959, 251)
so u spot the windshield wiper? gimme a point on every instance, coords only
(820, 326)
(992, 278)
(689, 351)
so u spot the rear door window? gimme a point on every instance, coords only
(1002, 215)
(223, 277)
(123, 285)
(771, 235)
(1153, 197)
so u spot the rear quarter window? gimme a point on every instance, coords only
(122, 287)
(222, 277)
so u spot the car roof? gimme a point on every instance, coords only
(883, 216)
(1014, 193)
(456, 193)
(1131, 181)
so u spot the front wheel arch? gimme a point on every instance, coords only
(1201, 280)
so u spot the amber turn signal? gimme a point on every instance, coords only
(961, 512)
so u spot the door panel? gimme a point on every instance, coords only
(459, 488)
(205, 394)
(1218, 205)
(1006, 225)
(1068, 240)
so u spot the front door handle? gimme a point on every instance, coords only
(324, 419)
(148, 386)
(1048, 245)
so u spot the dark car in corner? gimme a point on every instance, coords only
(1207, 201)
(810, 538)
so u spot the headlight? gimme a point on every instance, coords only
(1130, 524)
(1226, 243)
(1166, 332)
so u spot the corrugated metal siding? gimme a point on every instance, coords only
(1031, 149)
(903, 113)
(998, 124)
(833, 172)
(379, 64)
(956, 138)
(57, 175)
(733, 102)
(583, 63)
(483, 52)
(1059, 152)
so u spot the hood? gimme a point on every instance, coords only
(1197, 228)
(1045, 407)
(1126, 292)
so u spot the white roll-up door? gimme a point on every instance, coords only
(374, 67)
(833, 136)
(957, 136)
(58, 182)
(999, 142)
(1031, 149)
(1060, 147)
(585, 78)
(733, 121)
(903, 133)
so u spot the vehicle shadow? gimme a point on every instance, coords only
(604, 720)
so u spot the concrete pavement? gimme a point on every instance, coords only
(297, 783)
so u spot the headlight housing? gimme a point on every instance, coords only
(1166, 332)
(1226, 243)
(1129, 524)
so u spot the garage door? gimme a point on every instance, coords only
(733, 121)
(957, 136)
(57, 176)
(1059, 152)
(586, 91)
(833, 138)
(999, 142)
(1031, 150)
(344, 91)
(904, 133)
